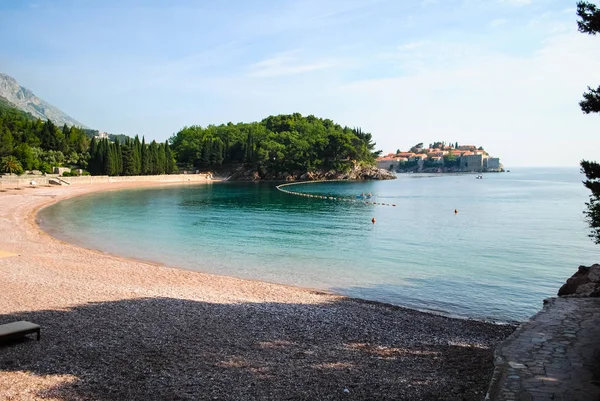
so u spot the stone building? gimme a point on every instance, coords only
(493, 163)
(471, 162)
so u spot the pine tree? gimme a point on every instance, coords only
(48, 138)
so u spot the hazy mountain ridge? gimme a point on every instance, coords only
(24, 99)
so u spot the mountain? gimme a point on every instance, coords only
(24, 99)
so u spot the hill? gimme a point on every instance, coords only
(24, 99)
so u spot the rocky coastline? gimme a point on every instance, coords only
(243, 173)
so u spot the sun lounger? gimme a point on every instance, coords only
(18, 329)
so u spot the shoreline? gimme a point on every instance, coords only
(33, 220)
(235, 331)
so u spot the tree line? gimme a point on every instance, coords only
(27, 144)
(283, 143)
(131, 157)
(277, 144)
(32, 144)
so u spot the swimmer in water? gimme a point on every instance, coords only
(455, 211)
(373, 220)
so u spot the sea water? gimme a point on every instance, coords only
(516, 238)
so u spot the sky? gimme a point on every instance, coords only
(504, 74)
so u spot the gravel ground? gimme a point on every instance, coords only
(120, 329)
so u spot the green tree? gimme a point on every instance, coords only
(161, 159)
(145, 158)
(11, 165)
(590, 24)
(284, 143)
(206, 152)
(25, 156)
(169, 159)
(6, 142)
(128, 160)
(136, 151)
(153, 167)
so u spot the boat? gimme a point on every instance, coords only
(479, 177)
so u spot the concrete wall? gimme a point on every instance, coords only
(8, 182)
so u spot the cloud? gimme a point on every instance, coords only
(287, 63)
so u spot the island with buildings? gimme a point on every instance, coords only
(441, 157)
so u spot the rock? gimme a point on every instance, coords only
(586, 288)
(356, 173)
(594, 273)
(586, 282)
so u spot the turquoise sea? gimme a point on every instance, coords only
(517, 237)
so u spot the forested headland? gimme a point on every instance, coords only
(276, 147)
(283, 146)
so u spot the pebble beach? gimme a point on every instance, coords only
(122, 329)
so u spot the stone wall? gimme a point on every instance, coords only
(7, 182)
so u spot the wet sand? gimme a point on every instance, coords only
(122, 329)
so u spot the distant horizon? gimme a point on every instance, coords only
(508, 74)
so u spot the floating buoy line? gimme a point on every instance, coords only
(327, 197)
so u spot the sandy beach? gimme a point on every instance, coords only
(121, 329)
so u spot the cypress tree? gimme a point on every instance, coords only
(161, 159)
(128, 162)
(118, 164)
(137, 156)
(66, 139)
(145, 158)
(92, 164)
(152, 158)
(170, 161)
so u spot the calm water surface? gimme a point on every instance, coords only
(515, 240)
